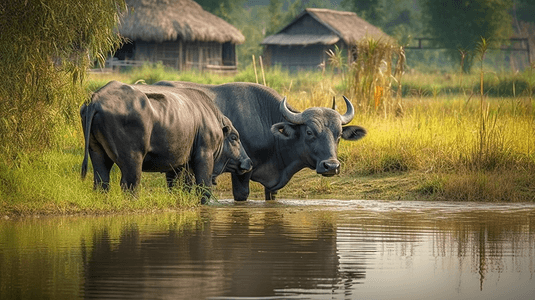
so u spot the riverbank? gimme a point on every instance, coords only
(50, 184)
(409, 186)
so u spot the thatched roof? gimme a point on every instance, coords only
(341, 25)
(169, 20)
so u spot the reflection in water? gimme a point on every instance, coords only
(284, 249)
(235, 252)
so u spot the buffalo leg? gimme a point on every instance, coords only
(202, 167)
(240, 186)
(173, 176)
(270, 195)
(170, 178)
(130, 178)
(102, 165)
(131, 172)
(182, 174)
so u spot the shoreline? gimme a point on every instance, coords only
(305, 185)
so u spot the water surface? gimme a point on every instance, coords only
(289, 249)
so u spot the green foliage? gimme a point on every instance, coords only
(458, 25)
(279, 18)
(46, 47)
(524, 10)
(431, 186)
(151, 73)
(370, 78)
(370, 10)
(49, 182)
(275, 77)
(502, 84)
(251, 22)
(505, 86)
(275, 17)
(220, 8)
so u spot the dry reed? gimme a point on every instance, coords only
(375, 74)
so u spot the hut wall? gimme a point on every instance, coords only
(186, 55)
(168, 53)
(200, 54)
(297, 58)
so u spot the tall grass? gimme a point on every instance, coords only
(371, 78)
(460, 146)
(452, 140)
(465, 145)
(49, 183)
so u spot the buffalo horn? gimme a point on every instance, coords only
(292, 117)
(350, 113)
(334, 103)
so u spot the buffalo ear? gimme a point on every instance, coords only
(353, 133)
(155, 96)
(284, 130)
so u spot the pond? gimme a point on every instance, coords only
(287, 249)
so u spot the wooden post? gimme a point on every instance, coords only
(254, 66)
(262, 66)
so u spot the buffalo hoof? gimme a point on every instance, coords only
(270, 195)
(206, 198)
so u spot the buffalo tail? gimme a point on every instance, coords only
(87, 112)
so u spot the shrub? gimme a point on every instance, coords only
(40, 89)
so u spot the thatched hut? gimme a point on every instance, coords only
(179, 33)
(303, 43)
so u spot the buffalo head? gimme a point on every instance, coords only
(233, 157)
(316, 133)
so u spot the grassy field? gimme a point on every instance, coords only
(445, 145)
(440, 139)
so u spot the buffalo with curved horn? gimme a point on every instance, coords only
(279, 140)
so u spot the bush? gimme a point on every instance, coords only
(41, 87)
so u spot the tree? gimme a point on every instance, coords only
(370, 10)
(221, 8)
(45, 49)
(275, 16)
(460, 24)
(214, 5)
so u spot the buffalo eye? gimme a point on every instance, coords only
(309, 132)
(234, 138)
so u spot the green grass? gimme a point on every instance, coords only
(50, 183)
(276, 78)
(433, 152)
(434, 146)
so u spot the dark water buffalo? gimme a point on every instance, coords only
(280, 140)
(143, 128)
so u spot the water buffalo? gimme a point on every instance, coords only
(280, 140)
(142, 128)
